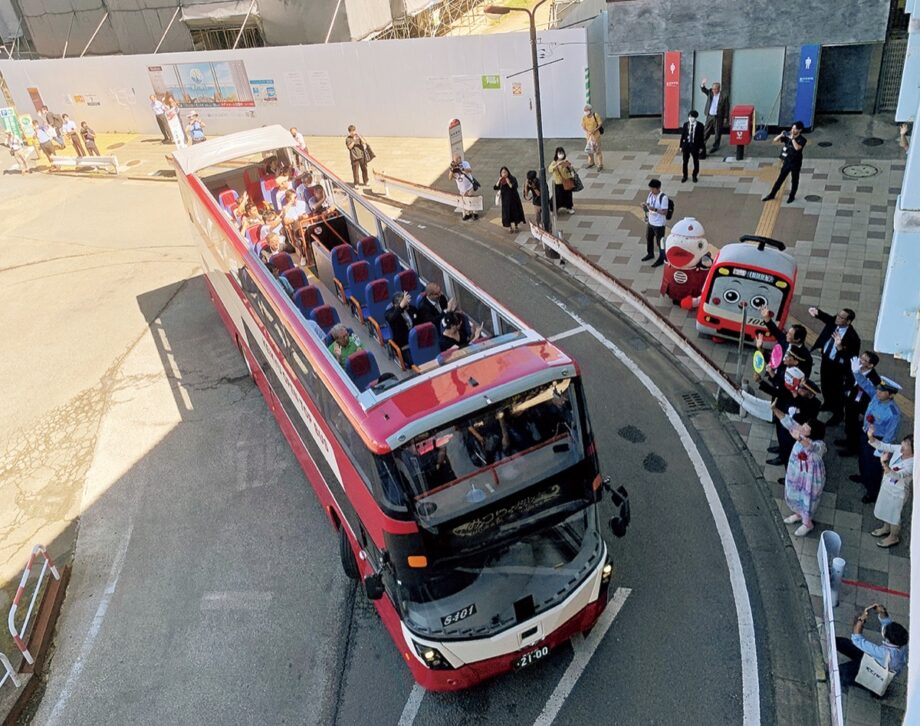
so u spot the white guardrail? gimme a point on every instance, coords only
(11, 619)
(459, 202)
(10, 671)
(109, 163)
(831, 568)
(757, 407)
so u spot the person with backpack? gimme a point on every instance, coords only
(593, 127)
(196, 129)
(658, 209)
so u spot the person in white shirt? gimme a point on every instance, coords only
(656, 210)
(45, 135)
(17, 152)
(716, 113)
(70, 129)
(298, 139)
(159, 110)
(292, 207)
(462, 174)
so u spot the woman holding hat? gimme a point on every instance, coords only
(805, 473)
(897, 473)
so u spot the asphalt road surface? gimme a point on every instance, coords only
(207, 586)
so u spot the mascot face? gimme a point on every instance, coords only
(686, 245)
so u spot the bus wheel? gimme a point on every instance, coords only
(349, 565)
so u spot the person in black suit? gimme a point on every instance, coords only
(401, 317)
(691, 143)
(716, 109)
(838, 343)
(855, 404)
(432, 306)
(804, 400)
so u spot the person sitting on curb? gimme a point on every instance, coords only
(891, 654)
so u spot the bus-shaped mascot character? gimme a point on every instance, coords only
(746, 275)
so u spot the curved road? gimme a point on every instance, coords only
(207, 587)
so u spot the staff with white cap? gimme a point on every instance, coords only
(884, 417)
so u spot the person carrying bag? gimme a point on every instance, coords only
(873, 665)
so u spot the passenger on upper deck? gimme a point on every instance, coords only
(282, 280)
(453, 334)
(292, 208)
(343, 343)
(277, 243)
(318, 202)
(401, 316)
(432, 306)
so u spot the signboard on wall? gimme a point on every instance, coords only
(491, 82)
(807, 82)
(671, 115)
(221, 84)
(9, 122)
(264, 91)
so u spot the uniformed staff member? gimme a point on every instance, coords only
(884, 416)
(793, 144)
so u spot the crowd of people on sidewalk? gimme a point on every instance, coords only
(51, 133)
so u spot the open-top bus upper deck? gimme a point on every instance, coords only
(510, 358)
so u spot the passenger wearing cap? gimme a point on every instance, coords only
(891, 653)
(884, 416)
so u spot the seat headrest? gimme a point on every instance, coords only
(343, 254)
(388, 262)
(424, 335)
(359, 363)
(359, 271)
(380, 291)
(323, 315)
(408, 280)
(368, 245)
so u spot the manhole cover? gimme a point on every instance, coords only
(860, 171)
(812, 198)
(133, 162)
(873, 141)
(167, 173)
(825, 144)
(694, 402)
(117, 145)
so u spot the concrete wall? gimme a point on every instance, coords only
(322, 88)
(597, 59)
(653, 26)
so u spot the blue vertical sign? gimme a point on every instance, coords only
(805, 90)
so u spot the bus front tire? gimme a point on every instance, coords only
(349, 564)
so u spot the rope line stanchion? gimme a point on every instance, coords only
(18, 634)
(10, 671)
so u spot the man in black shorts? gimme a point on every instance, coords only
(793, 144)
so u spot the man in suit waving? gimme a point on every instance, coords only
(691, 143)
(716, 114)
(838, 343)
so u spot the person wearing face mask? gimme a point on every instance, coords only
(563, 175)
(691, 143)
(793, 143)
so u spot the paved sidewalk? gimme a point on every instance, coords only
(839, 232)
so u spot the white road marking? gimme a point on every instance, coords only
(236, 600)
(77, 669)
(750, 684)
(584, 649)
(410, 711)
(566, 334)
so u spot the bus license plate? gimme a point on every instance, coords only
(531, 657)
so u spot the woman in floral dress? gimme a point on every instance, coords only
(805, 473)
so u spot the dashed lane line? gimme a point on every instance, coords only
(750, 683)
(414, 702)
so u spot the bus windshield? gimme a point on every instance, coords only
(484, 593)
(496, 452)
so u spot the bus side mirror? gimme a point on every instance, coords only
(620, 522)
(373, 586)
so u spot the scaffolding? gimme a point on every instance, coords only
(441, 17)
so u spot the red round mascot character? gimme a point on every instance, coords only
(687, 261)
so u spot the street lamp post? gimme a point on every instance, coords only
(544, 187)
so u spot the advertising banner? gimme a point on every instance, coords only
(222, 84)
(671, 117)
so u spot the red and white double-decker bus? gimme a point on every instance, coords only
(463, 483)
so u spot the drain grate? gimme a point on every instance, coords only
(694, 402)
(873, 141)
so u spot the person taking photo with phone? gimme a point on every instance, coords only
(793, 143)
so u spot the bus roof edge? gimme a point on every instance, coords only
(232, 146)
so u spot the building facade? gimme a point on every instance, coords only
(755, 50)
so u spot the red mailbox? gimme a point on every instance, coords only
(741, 125)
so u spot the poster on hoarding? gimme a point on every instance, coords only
(264, 91)
(221, 84)
(9, 122)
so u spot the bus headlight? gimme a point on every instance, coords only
(606, 573)
(432, 657)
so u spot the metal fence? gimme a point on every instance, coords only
(889, 83)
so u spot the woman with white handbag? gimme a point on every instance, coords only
(873, 665)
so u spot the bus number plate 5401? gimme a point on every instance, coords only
(532, 657)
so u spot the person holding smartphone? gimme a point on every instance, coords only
(793, 143)
(891, 653)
